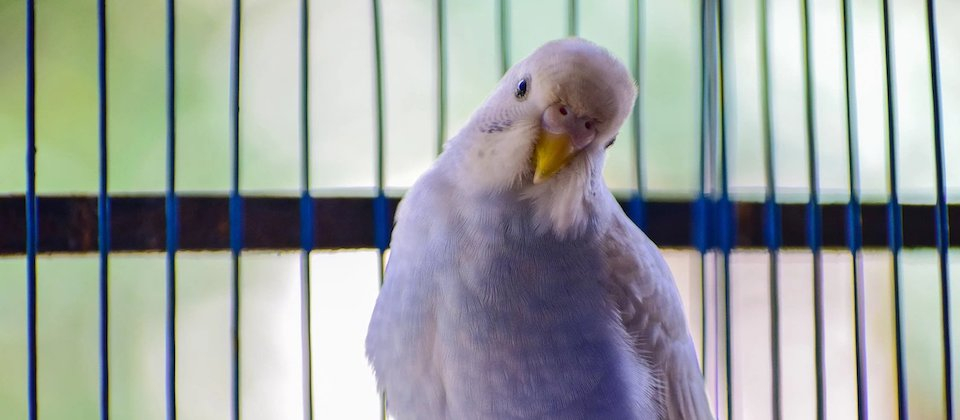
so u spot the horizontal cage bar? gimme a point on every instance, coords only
(68, 224)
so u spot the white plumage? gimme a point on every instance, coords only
(516, 287)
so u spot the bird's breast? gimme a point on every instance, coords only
(519, 319)
(483, 317)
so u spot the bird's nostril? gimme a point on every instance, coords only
(588, 125)
(563, 110)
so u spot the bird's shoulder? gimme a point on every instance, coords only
(640, 282)
(643, 289)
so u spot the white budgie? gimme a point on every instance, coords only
(517, 288)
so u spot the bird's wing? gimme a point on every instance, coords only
(643, 289)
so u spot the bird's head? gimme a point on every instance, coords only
(563, 103)
(545, 128)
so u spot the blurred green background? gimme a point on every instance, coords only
(343, 160)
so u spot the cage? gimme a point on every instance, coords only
(205, 205)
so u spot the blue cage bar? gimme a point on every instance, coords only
(771, 212)
(854, 227)
(103, 210)
(30, 204)
(894, 210)
(170, 218)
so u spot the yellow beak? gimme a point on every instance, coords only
(550, 154)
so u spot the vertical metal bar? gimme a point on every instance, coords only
(699, 208)
(854, 228)
(380, 226)
(31, 208)
(306, 213)
(723, 208)
(173, 226)
(236, 210)
(942, 222)
(771, 220)
(895, 214)
(103, 210)
(441, 75)
(703, 211)
(573, 21)
(637, 24)
(813, 208)
(503, 34)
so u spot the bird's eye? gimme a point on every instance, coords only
(521, 92)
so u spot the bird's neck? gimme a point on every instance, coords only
(572, 203)
(569, 205)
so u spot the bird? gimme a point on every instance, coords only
(516, 287)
